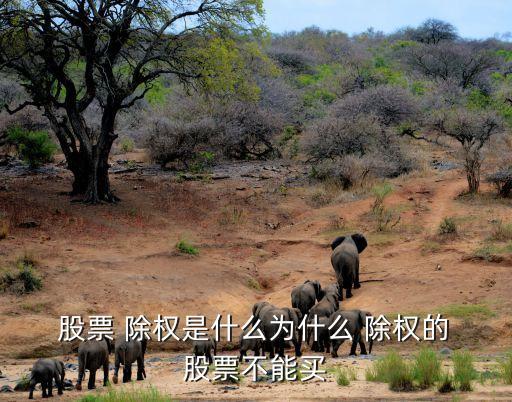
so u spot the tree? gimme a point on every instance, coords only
(74, 56)
(433, 31)
(472, 129)
(466, 63)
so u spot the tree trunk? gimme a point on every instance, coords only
(98, 183)
(473, 173)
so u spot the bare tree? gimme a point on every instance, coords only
(472, 130)
(71, 55)
(433, 31)
(466, 63)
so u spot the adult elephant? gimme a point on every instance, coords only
(272, 329)
(345, 261)
(127, 353)
(304, 296)
(93, 355)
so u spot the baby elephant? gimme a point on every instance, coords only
(205, 347)
(127, 353)
(256, 345)
(355, 321)
(44, 372)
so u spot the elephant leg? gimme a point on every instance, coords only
(50, 387)
(362, 345)
(357, 284)
(59, 383)
(92, 379)
(355, 341)
(335, 346)
(297, 345)
(44, 386)
(242, 355)
(117, 365)
(81, 372)
(327, 344)
(209, 357)
(270, 348)
(105, 372)
(127, 372)
(140, 368)
(348, 291)
(31, 388)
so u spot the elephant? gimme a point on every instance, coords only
(92, 355)
(205, 347)
(355, 322)
(329, 303)
(322, 342)
(270, 328)
(44, 372)
(306, 295)
(256, 345)
(345, 260)
(126, 353)
(259, 309)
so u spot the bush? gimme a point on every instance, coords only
(502, 181)
(343, 376)
(427, 368)
(34, 147)
(127, 144)
(502, 231)
(392, 369)
(506, 369)
(133, 395)
(447, 226)
(385, 217)
(22, 279)
(463, 370)
(445, 383)
(186, 248)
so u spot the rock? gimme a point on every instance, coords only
(68, 385)
(71, 366)
(439, 267)
(28, 224)
(153, 359)
(6, 389)
(229, 388)
(445, 351)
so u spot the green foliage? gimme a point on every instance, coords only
(127, 395)
(447, 226)
(21, 279)
(445, 383)
(385, 217)
(463, 370)
(344, 375)
(34, 147)
(157, 95)
(127, 144)
(465, 311)
(392, 369)
(501, 231)
(426, 368)
(202, 162)
(185, 247)
(506, 369)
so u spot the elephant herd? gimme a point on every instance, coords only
(92, 355)
(312, 300)
(308, 299)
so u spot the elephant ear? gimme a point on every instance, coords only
(337, 241)
(360, 242)
(294, 314)
(318, 290)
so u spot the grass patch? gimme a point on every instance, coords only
(447, 226)
(21, 279)
(430, 246)
(343, 375)
(463, 370)
(506, 369)
(445, 383)
(232, 216)
(134, 395)
(185, 247)
(253, 284)
(426, 368)
(489, 252)
(126, 144)
(394, 370)
(501, 231)
(465, 311)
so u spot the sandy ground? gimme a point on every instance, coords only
(259, 233)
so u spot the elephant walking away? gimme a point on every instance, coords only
(127, 353)
(205, 348)
(306, 295)
(356, 321)
(44, 372)
(345, 261)
(93, 355)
